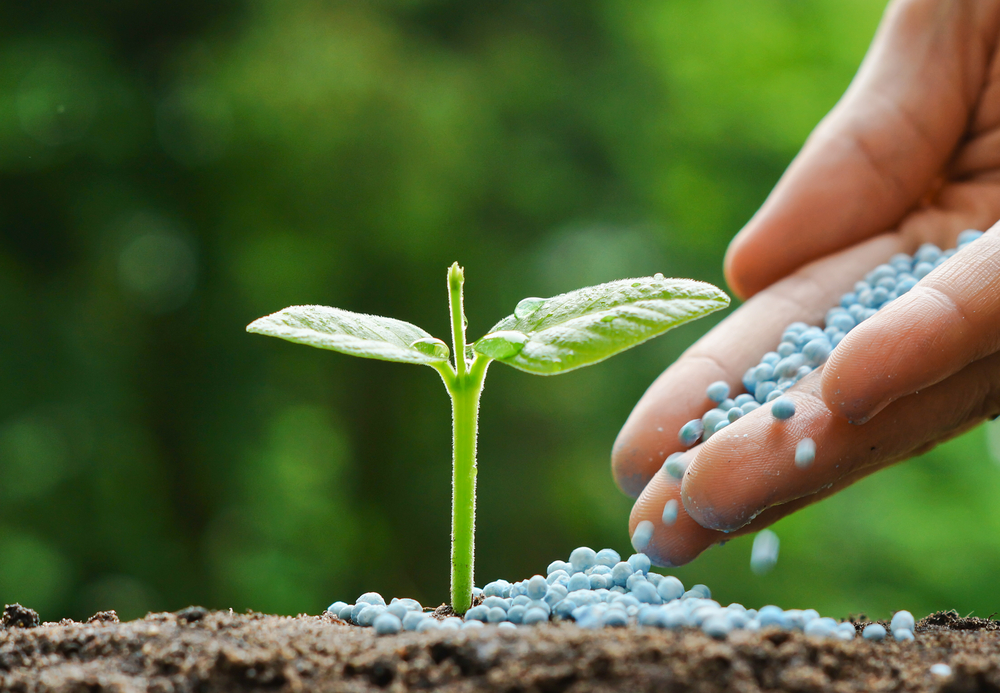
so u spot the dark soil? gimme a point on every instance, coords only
(198, 650)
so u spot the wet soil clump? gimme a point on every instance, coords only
(198, 650)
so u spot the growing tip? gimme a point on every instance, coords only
(456, 275)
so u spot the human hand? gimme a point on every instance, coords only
(911, 154)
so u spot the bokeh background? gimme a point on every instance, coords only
(171, 171)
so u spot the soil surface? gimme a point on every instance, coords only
(198, 650)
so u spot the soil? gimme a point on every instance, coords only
(198, 650)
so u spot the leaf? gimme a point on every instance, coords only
(588, 325)
(357, 334)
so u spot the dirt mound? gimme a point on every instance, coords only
(198, 650)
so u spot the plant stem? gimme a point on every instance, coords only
(465, 387)
(456, 277)
(465, 419)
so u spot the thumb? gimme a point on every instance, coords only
(880, 149)
(947, 321)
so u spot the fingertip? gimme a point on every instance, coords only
(629, 474)
(667, 543)
(739, 270)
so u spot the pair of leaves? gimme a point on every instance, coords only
(544, 336)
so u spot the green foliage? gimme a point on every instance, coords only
(568, 331)
(588, 325)
(368, 336)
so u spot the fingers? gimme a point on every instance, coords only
(737, 343)
(950, 319)
(750, 466)
(881, 148)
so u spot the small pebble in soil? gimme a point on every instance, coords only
(805, 453)
(940, 669)
(764, 554)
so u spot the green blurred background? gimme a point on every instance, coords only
(171, 171)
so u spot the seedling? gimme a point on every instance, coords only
(544, 336)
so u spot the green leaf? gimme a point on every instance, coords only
(357, 334)
(588, 325)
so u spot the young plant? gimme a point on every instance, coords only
(544, 336)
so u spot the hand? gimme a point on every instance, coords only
(911, 154)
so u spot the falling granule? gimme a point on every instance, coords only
(764, 554)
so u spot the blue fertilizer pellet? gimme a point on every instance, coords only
(639, 561)
(607, 558)
(770, 358)
(477, 613)
(805, 453)
(773, 395)
(496, 615)
(874, 631)
(743, 399)
(614, 618)
(557, 565)
(783, 408)
(556, 575)
(429, 623)
(940, 669)
(646, 593)
(717, 391)
(670, 512)
(691, 432)
(719, 426)
(762, 390)
(388, 624)
(702, 590)
(902, 635)
(816, 351)
(642, 535)
(580, 581)
(621, 572)
(516, 613)
(749, 407)
(471, 625)
(506, 625)
(670, 588)
(675, 465)
(764, 371)
(968, 236)
(412, 620)
(537, 587)
(368, 614)
(902, 619)
(786, 349)
(734, 414)
(398, 610)
(582, 558)
(557, 592)
(534, 615)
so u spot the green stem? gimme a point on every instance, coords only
(465, 385)
(456, 277)
(465, 417)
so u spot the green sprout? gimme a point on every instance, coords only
(544, 336)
